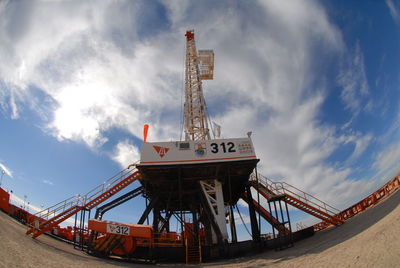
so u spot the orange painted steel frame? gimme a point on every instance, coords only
(163, 240)
(66, 233)
(298, 203)
(267, 216)
(135, 230)
(385, 191)
(310, 210)
(95, 199)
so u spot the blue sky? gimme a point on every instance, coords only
(316, 81)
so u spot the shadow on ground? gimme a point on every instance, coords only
(325, 239)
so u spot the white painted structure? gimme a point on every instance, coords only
(197, 152)
(201, 152)
(215, 199)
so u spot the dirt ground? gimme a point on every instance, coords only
(371, 239)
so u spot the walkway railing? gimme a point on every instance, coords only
(283, 188)
(64, 210)
(80, 200)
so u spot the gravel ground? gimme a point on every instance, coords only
(371, 239)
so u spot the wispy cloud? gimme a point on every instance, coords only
(354, 83)
(360, 141)
(6, 170)
(47, 182)
(387, 162)
(394, 10)
(244, 219)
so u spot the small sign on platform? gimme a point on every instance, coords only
(117, 229)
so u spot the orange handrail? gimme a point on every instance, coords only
(284, 188)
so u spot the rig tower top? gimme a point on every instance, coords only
(199, 66)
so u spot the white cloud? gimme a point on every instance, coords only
(354, 83)
(126, 154)
(294, 147)
(47, 182)
(245, 219)
(177, 10)
(387, 162)
(361, 145)
(394, 10)
(360, 141)
(6, 170)
(101, 72)
(21, 202)
(95, 83)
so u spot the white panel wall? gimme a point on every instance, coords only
(192, 152)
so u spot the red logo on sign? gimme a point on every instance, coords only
(161, 150)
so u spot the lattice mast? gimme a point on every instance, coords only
(199, 66)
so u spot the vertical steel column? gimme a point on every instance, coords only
(180, 203)
(147, 200)
(283, 239)
(277, 238)
(270, 212)
(253, 218)
(81, 226)
(156, 219)
(233, 225)
(290, 226)
(147, 203)
(258, 200)
(232, 216)
(195, 224)
(167, 218)
(283, 218)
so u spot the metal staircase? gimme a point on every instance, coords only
(60, 212)
(267, 216)
(296, 198)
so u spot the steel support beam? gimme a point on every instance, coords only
(146, 212)
(211, 219)
(212, 191)
(116, 202)
(232, 224)
(255, 232)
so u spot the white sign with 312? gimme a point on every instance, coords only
(117, 229)
(204, 151)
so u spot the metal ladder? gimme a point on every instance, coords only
(192, 244)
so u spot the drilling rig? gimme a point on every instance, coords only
(199, 176)
(195, 182)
